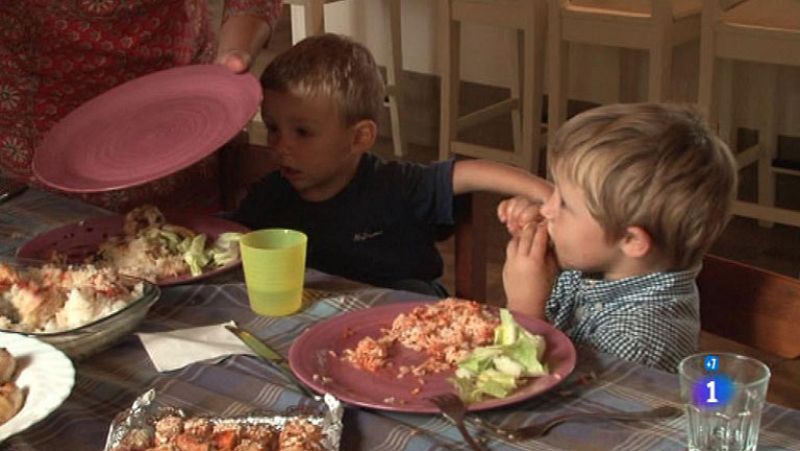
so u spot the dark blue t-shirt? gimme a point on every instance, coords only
(380, 228)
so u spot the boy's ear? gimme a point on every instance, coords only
(365, 132)
(636, 243)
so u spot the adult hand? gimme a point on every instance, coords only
(240, 38)
(237, 61)
(518, 213)
(529, 271)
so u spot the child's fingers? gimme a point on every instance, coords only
(502, 214)
(511, 247)
(531, 214)
(539, 245)
(525, 240)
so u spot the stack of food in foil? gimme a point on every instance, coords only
(148, 426)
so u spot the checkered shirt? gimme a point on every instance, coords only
(652, 319)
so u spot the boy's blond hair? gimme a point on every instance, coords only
(333, 66)
(656, 166)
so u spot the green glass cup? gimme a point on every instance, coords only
(274, 263)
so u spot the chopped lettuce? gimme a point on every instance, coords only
(171, 238)
(225, 249)
(195, 255)
(495, 370)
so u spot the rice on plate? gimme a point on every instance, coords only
(54, 298)
(446, 331)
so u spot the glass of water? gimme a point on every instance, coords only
(723, 394)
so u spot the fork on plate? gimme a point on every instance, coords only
(454, 409)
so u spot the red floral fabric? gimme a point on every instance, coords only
(57, 54)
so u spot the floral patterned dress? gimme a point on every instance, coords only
(57, 54)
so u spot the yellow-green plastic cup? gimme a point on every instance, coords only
(274, 263)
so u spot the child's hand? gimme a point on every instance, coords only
(529, 271)
(517, 213)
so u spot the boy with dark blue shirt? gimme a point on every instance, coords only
(366, 219)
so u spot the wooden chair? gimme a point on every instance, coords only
(527, 19)
(314, 24)
(470, 247)
(751, 306)
(655, 26)
(765, 32)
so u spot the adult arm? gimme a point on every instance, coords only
(247, 26)
(485, 175)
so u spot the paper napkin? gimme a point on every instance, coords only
(175, 349)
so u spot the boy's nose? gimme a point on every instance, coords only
(277, 144)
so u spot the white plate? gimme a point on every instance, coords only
(44, 372)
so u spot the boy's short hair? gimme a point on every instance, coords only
(334, 66)
(655, 166)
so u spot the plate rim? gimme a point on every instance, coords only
(168, 214)
(55, 357)
(248, 85)
(294, 358)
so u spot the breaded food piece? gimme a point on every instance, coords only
(7, 365)
(300, 435)
(11, 400)
(168, 428)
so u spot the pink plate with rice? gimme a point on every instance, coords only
(315, 359)
(80, 240)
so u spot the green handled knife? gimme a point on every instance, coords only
(269, 355)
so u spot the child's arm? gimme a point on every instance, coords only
(529, 272)
(517, 213)
(485, 175)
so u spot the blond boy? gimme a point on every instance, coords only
(367, 219)
(640, 193)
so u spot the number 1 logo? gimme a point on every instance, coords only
(713, 392)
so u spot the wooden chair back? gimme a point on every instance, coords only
(526, 20)
(470, 248)
(763, 32)
(655, 26)
(752, 306)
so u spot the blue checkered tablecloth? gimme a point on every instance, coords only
(109, 381)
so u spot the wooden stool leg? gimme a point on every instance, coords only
(768, 142)
(659, 75)
(312, 21)
(450, 50)
(705, 94)
(628, 75)
(660, 67)
(727, 118)
(533, 87)
(394, 76)
(517, 91)
(314, 11)
(558, 61)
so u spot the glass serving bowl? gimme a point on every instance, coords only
(94, 336)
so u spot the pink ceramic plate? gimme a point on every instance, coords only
(80, 240)
(309, 356)
(147, 128)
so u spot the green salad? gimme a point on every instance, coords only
(223, 251)
(497, 370)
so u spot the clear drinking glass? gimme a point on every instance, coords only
(723, 395)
